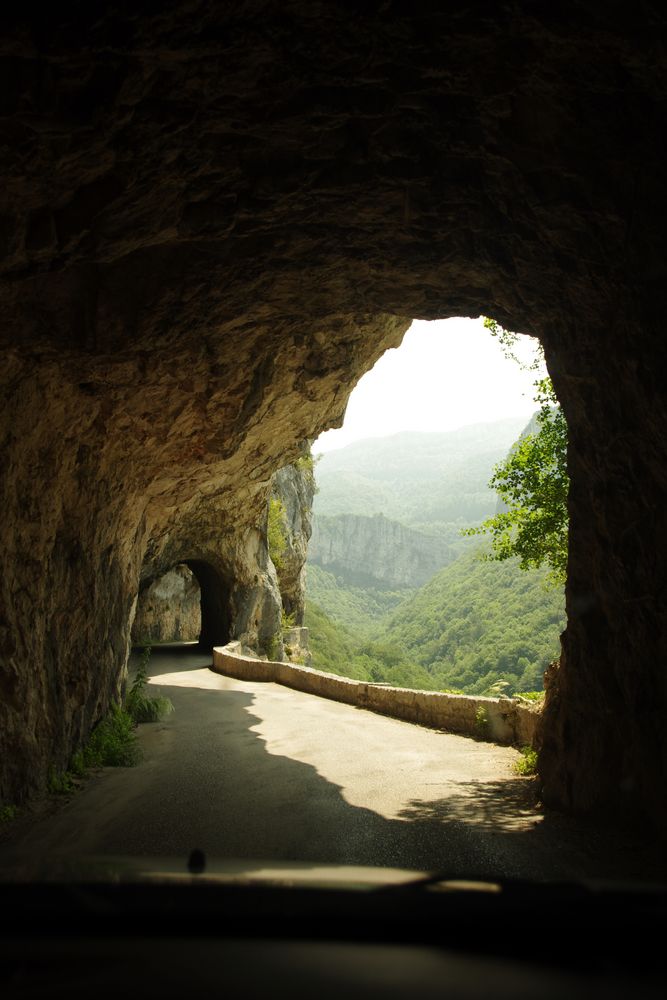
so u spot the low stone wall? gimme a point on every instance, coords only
(498, 720)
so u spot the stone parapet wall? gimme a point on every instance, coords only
(499, 720)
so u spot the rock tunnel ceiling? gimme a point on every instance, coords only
(215, 219)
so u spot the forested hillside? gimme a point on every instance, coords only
(360, 609)
(477, 623)
(428, 481)
(477, 626)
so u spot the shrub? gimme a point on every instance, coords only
(272, 645)
(481, 721)
(277, 532)
(113, 743)
(527, 763)
(60, 782)
(8, 813)
(287, 621)
(140, 706)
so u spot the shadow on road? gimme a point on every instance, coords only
(208, 782)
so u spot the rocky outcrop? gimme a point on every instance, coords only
(168, 609)
(214, 218)
(294, 487)
(374, 551)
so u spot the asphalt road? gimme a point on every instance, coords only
(245, 770)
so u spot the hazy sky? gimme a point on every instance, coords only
(446, 374)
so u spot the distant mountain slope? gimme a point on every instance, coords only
(419, 479)
(358, 608)
(476, 623)
(375, 551)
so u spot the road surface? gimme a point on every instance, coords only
(246, 770)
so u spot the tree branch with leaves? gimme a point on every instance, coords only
(533, 484)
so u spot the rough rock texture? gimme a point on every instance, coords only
(375, 551)
(168, 609)
(215, 217)
(297, 646)
(294, 486)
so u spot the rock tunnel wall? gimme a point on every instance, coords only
(214, 218)
(168, 609)
(294, 487)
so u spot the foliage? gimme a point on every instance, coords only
(336, 649)
(477, 623)
(306, 466)
(8, 813)
(277, 532)
(533, 484)
(361, 609)
(60, 782)
(287, 621)
(272, 645)
(140, 706)
(481, 721)
(477, 627)
(530, 695)
(113, 742)
(527, 763)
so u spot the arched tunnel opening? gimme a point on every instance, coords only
(187, 603)
(439, 528)
(215, 610)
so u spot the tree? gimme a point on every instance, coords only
(533, 484)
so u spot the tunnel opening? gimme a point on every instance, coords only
(426, 570)
(188, 603)
(215, 613)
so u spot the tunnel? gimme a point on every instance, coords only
(187, 603)
(215, 611)
(214, 221)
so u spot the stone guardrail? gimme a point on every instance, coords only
(497, 720)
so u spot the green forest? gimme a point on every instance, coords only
(478, 627)
(360, 608)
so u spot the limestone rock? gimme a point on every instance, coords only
(168, 609)
(294, 486)
(375, 551)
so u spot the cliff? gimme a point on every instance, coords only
(374, 551)
(294, 487)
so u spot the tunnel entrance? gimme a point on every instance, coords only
(215, 615)
(423, 571)
(187, 603)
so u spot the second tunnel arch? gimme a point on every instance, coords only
(188, 601)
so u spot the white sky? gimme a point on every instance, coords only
(446, 374)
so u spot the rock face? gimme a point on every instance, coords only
(294, 486)
(374, 551)
(168, 609)
(214, 218)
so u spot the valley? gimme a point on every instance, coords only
(396, 594)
